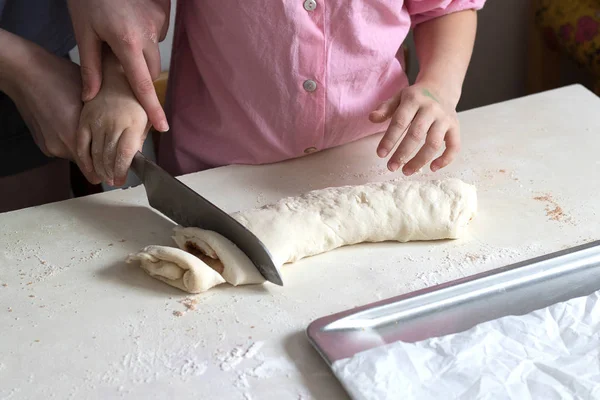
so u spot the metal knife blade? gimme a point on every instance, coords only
(187, 208)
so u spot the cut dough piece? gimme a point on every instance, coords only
(211, 247)
(177, 268)
(323, 220)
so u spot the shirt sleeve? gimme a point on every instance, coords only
(424, 10)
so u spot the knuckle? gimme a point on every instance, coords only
(409, 96)
(416, 133)
(129, 38)
(97, 122)
(151, 33)
(398, 123)
(435, 143)
(431, 108)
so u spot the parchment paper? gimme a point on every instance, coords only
(551, 353)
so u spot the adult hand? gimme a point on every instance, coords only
(132, 29)
(48, 97)
(419, 119)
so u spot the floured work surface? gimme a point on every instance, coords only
(76, 321)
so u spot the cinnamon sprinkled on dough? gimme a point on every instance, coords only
(215, 264)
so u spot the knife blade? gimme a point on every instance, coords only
(187, 208)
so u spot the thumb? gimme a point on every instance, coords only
(385, 110)
(90, 53)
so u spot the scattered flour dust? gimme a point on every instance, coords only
(228, 361)
(152, 365)
(464, 261)
(247, 362)
(32, 259)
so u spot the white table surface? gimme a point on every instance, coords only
(77, 322)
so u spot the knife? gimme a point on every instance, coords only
(187, 208)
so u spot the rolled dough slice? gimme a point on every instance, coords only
(220, 253)
(323, 220)
(177, 268)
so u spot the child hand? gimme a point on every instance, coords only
(417, 114)
(112, 128)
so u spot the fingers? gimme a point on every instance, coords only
(413, 138)
(452, 149)
(401, 120)
(90, 53)
(418, 121)
(84, 155)
(108, 157)
(385, 110)
(98, 139)
(433, 143)
(129, 144)
(152, 57)
(84, 141)
(112, 154)
(138, 74)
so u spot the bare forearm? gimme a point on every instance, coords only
(444, 46)
(15, 58)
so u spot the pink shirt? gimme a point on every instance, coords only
(262, 81)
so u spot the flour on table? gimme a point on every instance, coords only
(314, 223)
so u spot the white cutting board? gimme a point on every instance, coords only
(76, 322)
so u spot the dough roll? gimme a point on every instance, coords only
(323, 220)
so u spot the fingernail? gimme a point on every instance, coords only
(408, 172)
(434, 168)
(163, 126)
(393, 166)
(382, 153)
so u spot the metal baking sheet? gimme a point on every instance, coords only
(459, 305)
